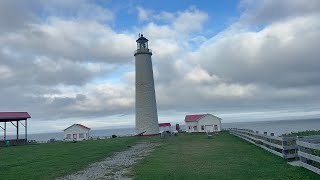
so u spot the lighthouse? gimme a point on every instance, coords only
(146, 105)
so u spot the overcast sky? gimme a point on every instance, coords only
(68, 62)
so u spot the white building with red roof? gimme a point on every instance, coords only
(164, 127)
(202, 123)
(76, 132)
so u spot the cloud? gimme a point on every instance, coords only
(282, 54)
(239, 69)
(15, 16)
(190, 20)
(187, 21)
(268, 11)
(75, 40)
(68, 61)
(47, 62)
(143, 14)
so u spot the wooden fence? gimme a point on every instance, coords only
(309, 152)
(304, 149)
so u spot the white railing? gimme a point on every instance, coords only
(282, 146)
(309, 152)
(143, 51)
(305, 149)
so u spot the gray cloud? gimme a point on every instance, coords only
(15, 16)
(283, 54)
(268, 11)
(49, 67)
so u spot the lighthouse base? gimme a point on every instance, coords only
(142, 134)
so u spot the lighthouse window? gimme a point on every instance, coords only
(143, 45)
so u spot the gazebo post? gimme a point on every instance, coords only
(5, 133)
(25, 126)
(17, 130)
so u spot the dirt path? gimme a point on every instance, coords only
(116, 166)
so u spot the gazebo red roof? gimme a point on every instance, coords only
(7, 116)
(194, 117)
(164, 124)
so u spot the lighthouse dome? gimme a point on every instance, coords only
(142, 39)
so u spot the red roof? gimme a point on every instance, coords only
(14, 115)
(195, 117)
(82, 126)
(164, 124)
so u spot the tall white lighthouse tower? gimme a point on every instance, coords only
(146, 106)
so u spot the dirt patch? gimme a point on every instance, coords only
(116, 166)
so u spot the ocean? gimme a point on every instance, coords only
(277, 127)
(102, 133)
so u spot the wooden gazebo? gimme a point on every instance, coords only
(15, 118)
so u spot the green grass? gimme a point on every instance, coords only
(223, 157)
(183, 157)
(47, 161)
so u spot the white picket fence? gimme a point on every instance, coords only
(304, 149)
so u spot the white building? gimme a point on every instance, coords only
(164, 127)
(76, 132)
(202, 123)
(146, 105)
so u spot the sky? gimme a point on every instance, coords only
(71, 61)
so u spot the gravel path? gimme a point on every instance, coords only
(116, 166)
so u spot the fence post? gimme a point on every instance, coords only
(282, 142)
(297, 149)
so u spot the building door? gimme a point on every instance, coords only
(195, 129)
(209, 128)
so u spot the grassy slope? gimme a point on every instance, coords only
(47, 161)
(223, 157)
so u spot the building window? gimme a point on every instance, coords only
(81, 135)
(68, 136)
(202, 127)
(216, 127)
(74, 136)
(195, 128)
(189, 127)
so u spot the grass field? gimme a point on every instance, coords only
(223, 157)
(47, 161)
(183, 157)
